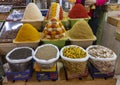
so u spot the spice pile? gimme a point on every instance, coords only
(100, 52)
(54, 29)
(102, 58)
(32, 13)
(27, 33)
(17, 54)
(78, 11)
(74, 52)
(81, 30)
(46, 52)
(55, 11)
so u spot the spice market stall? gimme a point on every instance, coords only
(32, 42)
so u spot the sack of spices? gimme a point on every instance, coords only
(74, 58)
(19, 59)
(46, 55)
(103, 58)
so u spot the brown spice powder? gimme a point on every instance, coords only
(46, 52)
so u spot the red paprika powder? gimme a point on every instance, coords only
(78, 11)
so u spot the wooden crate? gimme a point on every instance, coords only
(114, 20)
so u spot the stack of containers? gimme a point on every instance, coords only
(45, 57)
(19, 64)
(74, 59)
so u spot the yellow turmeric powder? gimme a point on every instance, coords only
(81, 30)
(27, 33)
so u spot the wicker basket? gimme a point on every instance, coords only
(36, 24)
(6, 47)
(82, 42)
(77, 65)
(28, 44)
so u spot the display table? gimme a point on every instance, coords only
(62, 80)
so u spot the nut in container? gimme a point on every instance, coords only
(102, 58)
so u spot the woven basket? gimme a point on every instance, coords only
(36, 24)
(82, 42)
(6, 47)
(77, 65)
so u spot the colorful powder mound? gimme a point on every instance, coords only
(32, 13)
(78, 11)
(55, 11)
(81, 30)
(54, 29)
(27, 33)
